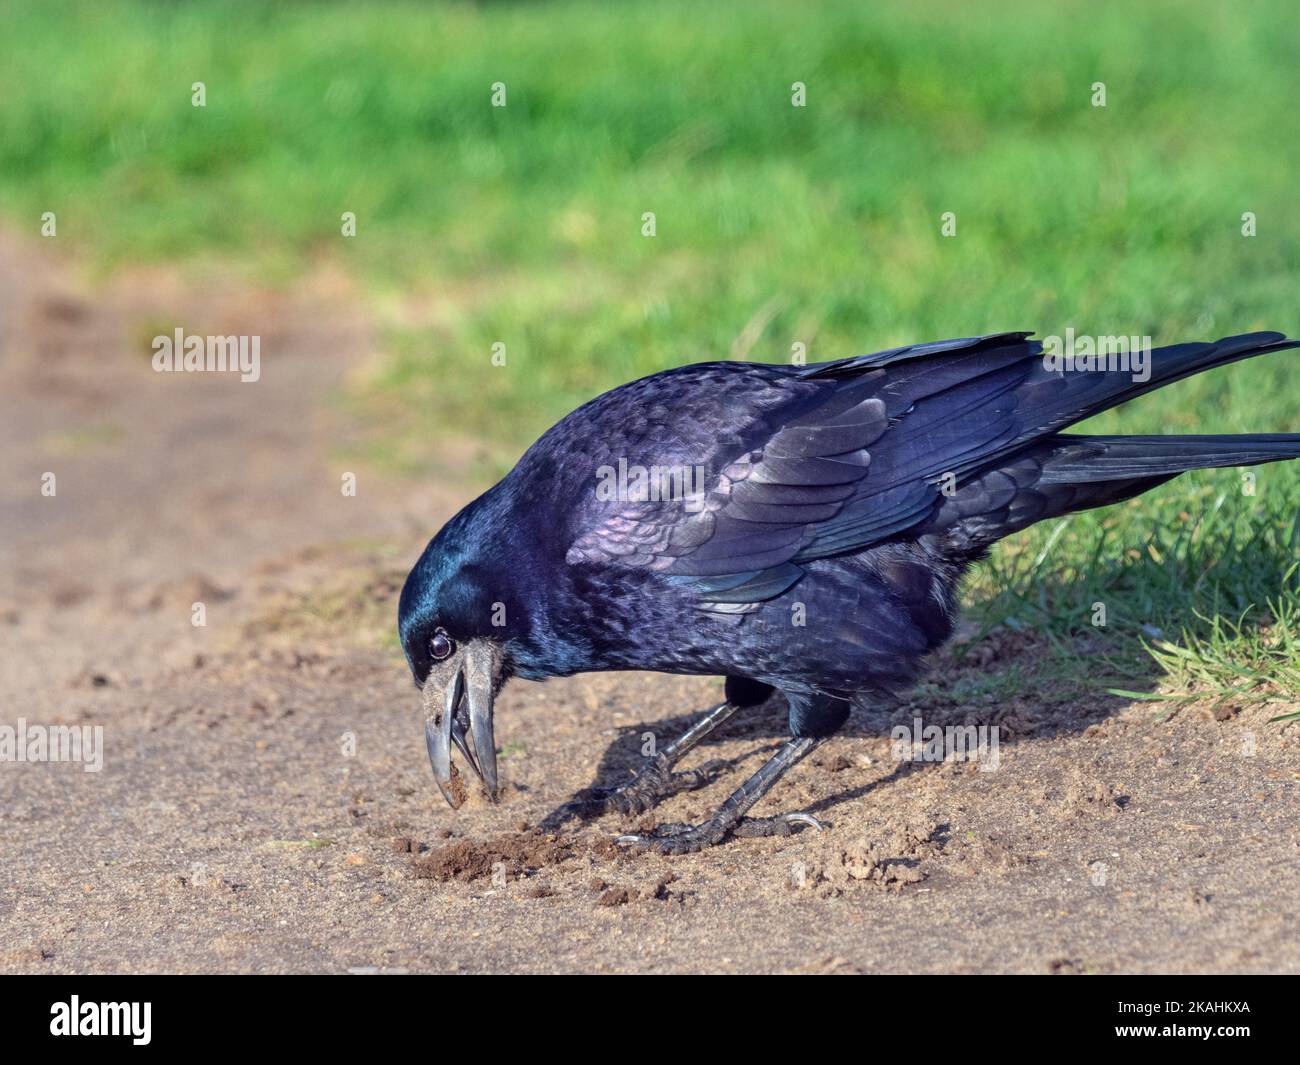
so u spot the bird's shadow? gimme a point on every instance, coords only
(764, 726)
(980, 684)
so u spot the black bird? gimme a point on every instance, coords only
(849, 495)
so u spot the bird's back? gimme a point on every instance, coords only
(862, 486)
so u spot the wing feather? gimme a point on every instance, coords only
(854, 466)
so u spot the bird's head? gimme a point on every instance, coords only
(446, 620)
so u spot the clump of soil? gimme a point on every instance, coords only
(1087, 797)
(458, 792)
(616, 896)
(889, 864)
(622, 895)
(982, 854)
(510, 856)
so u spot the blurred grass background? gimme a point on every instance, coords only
(776, 225)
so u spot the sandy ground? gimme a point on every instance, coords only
(266, 805)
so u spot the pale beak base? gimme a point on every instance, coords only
(458, 696)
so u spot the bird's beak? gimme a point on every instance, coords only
(458, 697)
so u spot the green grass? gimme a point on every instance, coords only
(1234, 662)
(776, 225)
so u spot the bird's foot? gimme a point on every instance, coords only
(687, 839)
(646, 790)
(678, 838)
(778, 825)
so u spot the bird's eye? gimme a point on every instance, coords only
(440, 646)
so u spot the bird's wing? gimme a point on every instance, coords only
(870, 459)
(856, 364)
(834, 478)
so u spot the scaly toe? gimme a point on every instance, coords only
(779, 825)
(676, 838)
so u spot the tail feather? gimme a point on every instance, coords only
(1058, 399)
(1086, 459)
(1065, 474)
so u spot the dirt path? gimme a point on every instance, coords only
(234, 827)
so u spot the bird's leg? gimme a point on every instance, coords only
(656, 780)
(730, 818)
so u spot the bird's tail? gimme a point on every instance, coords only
(1082, 472)
(1065, 474)
(1101, 459)
(1061, 399)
